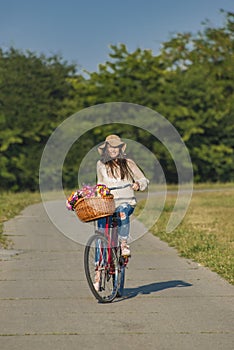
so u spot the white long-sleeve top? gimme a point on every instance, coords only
(125, 194)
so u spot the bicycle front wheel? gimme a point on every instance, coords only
(121, 277)
(101, 268)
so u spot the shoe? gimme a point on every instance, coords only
(125, 251)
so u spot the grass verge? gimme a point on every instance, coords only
(206, 234)
(11, 204)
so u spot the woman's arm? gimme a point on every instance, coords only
(140, 181)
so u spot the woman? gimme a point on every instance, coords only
(124, 177)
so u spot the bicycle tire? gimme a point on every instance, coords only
(121, 282)
(107, 265)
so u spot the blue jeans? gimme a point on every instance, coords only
(123, 212)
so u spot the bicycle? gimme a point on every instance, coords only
(104, 263)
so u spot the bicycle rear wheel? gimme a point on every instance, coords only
(101, 268)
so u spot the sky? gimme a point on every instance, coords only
(81, 31)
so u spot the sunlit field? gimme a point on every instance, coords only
(206, 233)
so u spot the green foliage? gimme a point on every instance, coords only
(190, 82)
(32, 94)
(204, 100)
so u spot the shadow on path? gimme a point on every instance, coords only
(153, 288)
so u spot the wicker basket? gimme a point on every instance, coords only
(89, 209)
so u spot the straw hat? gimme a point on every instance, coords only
(114, 141)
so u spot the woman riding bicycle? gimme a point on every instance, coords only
(124, 177)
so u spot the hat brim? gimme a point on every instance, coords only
(113, 143)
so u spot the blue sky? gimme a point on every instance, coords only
(81, 31)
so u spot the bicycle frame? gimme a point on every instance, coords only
(111, 234)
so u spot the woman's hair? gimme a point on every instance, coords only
(112, 164)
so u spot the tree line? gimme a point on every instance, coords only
(189, 82)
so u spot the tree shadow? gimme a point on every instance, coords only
(153, 288)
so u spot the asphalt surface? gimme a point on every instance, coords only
(45, 303)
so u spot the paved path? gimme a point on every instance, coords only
(169, 303)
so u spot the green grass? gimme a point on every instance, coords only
(11, 204)
(198, 186)
(206, 233)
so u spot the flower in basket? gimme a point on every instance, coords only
(72, 199)
(102, 190)
(87, 191)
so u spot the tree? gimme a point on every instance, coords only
(190, 83)
(32, 94)
(203, 103)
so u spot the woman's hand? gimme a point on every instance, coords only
(136, 186)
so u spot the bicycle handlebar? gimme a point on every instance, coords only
(119, 187)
